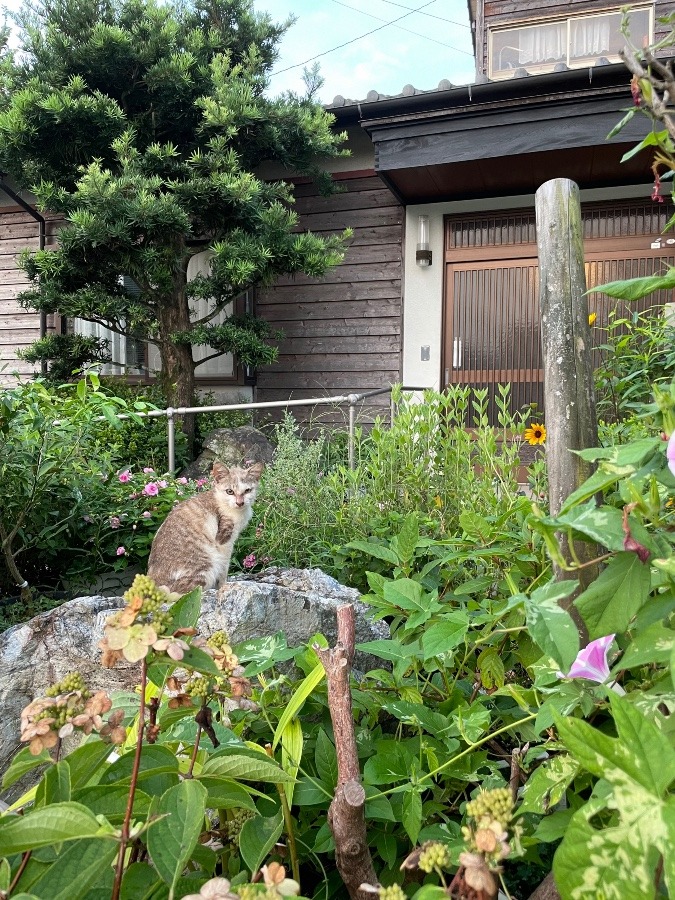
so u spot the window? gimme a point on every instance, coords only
(576, 42)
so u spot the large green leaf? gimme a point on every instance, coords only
(636, 288)
(653, 644)
(297, 701)
(617, 594)
(247, 768)
(172, 839)
(604, 524)
(392, 650)
(55, 785)
(110, 800)
(444, 636)
(548, 783)
(86, 761)
(550, 625)
(376, 550)
(185, 611)
(412, 813)
(76, 870)
(154, 758)
(139, 879)
(257, 837)
(24, 762)
(225, 793)
(406, 541)
(325, 759)
(49, 825)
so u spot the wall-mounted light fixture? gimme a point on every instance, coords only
(423, 254)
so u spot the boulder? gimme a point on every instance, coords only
(233, 447)
(299, 602)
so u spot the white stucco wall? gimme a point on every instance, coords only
(423, 287)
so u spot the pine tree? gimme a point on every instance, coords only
(143, 123)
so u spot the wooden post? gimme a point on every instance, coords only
(569, 397)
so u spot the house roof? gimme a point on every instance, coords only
(502, 137)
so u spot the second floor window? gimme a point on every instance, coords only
(576, 41)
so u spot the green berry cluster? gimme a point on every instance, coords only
(219, 640)
(434, 856)
(73, 681)
(232, 827)
(249, 892)
(199, 686)
(495, 805)
(392, 892)
(60, 715)
(153, 599)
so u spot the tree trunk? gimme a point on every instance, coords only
(178, 367)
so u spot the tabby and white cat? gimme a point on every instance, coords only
(194, 544)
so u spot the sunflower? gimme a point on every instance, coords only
(591, 318)
(535, 434)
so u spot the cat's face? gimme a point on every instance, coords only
(236, 486)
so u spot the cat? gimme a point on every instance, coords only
(193, 546)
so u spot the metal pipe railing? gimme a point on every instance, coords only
(352, 399)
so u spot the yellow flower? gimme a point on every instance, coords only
(535, 434)
(591, 318)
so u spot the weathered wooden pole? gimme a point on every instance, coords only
(569, 397)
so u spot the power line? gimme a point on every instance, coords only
(401, 28)
(429, 15)
(353, 40)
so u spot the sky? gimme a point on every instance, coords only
(385, 60)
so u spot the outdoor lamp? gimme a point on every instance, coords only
(423, 254)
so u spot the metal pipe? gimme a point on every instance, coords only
(353, 399)
(41, 243)
(171, 438)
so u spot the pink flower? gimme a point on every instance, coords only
(670, 453)
(121, 551)
(147, 470)
(591, 663)
(151, 489)
(125, 476)
(181, 480)
(147, 514)
(249, 561)
(114, 522)
(201, 482)
(162, 483)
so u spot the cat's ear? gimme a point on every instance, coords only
(219, 471)
(256, 470)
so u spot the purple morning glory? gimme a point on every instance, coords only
(591, 662)
(670, 453)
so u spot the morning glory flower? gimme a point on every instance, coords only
(591, 663)
(670, 453)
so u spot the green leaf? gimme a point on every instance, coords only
(391, 763)
(406, 541)
(224, 793)
(617, 594)
(550, 625)
(378, 808)
(310, 792)
(291, 753)
(430, 892)
(55, 785)
(154, 758)
(653, 644)
(412, 813)
(418, 715)
(5, 875)
(376, 550)
(297, 701)
(642, 752)
(491, 668)
(636, 288)
(76, 869)
(392, 650)
(110, 800)
(325, 759)
(247, 769)
(138, 880)
(444, 636)
(262, 653)
(554, 826)
(24, 762)
(604, 524)
(548, 783)
(85, 762)
(185, 612)
(257, 837)
(172, 839)
(48, 825)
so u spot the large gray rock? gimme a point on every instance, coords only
(232, 446)
(299, 602)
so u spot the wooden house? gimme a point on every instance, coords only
(456, 169)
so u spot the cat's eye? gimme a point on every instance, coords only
(247, 490)
(229, 491)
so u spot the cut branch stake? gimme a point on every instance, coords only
(346, 815)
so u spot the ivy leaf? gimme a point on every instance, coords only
(550, 625)
(617, 594)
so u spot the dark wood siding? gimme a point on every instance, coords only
(18, 327)
(503, 12)
(342, 333)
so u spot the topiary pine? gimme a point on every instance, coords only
(143, 123)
